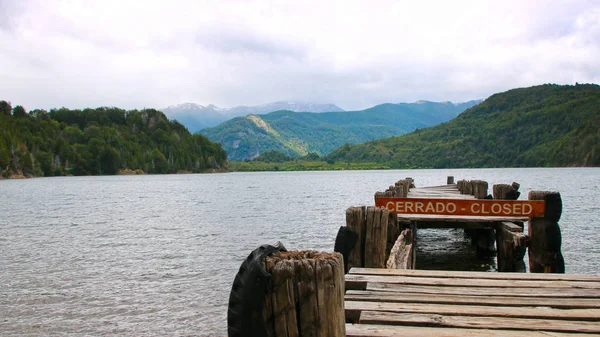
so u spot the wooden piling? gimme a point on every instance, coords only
(305, 295)
(376, 237)
(450, 180)
(545, 254)
(403, 253)
(356, 221)
(484, 239)
(499, 191)
(511, 244)
(393, 231)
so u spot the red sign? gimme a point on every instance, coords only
(473, 207)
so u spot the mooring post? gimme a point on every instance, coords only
(305, 295)
(450, 180)
(545, 239)
(484, 238)
(356, 221)
(499, 191)
(376, 237)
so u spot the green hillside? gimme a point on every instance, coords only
(299, 133)
(547, 125)
(100, 141)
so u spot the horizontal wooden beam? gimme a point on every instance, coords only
(475, 274)
(476, 310)
(479, 291)
(376, 330)
(478, 322)
(508, 301)
(472, 282)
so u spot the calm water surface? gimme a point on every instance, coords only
(156, 255)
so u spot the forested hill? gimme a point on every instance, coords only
(299, 133)
(547, 125)
(100, 141)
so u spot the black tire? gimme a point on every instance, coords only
(244, 312)
(344, 242)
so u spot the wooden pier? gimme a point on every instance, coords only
(383, 294)
(396, 302)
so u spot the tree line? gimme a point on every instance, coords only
(100, 141)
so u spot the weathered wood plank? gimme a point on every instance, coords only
(471, 282)
(456, 218)
(478, 322)
(476, 310)
(474, 274)
(511, 301)
(374, 330)
(510, 226)
(455, 224)
(478, 291)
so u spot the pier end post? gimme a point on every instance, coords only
(545, 254)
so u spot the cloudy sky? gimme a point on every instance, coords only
(355, 54)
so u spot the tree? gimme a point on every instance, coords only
(159, 162)
(5, 108)
(19, 111)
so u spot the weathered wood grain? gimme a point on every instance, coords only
(376, 330)
(376, 237)
(475, 274)
(574, 293)
(478, 322)
(472, 282)
(510, 301)
(476, 310)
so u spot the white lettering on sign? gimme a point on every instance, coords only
(470, 207)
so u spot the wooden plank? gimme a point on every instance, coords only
(456, 224)
(478, 322)
(374, 330)
(458, 218)
(456, 207)
(472, 282)
(510, 226)
(510, 301)
(475, 274)
(478, 291)
(476, 310)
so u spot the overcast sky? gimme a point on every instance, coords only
(355, 54)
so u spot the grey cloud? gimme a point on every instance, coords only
(10, 11)
(232, 41)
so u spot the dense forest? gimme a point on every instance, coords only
(547, 125)
(99, 141)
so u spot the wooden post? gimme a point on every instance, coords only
(376, 237)
(305, 295)
(512, 244)
(356, 221)
(499, 191)
(402, 254)
(393, 231)
(484, 238)
(450, 180)
(545, 238)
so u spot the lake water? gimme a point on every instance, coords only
(156, 255)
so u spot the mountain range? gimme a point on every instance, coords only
(300, 133)
(197, 117)
(545, 125)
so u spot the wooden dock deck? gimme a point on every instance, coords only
(396, 302)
